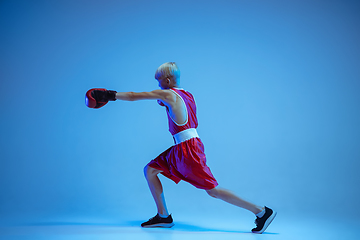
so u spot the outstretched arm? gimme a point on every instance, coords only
(98, 97)
(163, 95)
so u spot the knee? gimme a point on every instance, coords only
(149, 171)
(213, 192)
(146, 170)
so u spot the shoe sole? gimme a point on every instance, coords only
(160, 225)
(267, 223)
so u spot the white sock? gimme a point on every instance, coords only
(261, 214)
(163, 216)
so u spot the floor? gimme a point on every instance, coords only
(280, 229)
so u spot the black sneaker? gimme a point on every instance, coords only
(158, 221)
(263, 222)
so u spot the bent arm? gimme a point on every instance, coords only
(164, 95)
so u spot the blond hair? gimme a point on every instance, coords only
(168, 70)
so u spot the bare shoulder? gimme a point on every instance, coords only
(166, 96)
(164, 93)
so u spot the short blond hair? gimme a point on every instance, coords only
(168, 70)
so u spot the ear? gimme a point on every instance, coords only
(168, 80)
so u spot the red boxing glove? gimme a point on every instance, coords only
(98, 97)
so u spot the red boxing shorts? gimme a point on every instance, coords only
(186, 161)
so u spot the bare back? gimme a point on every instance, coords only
(177, 108)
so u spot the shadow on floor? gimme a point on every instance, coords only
(180, 226)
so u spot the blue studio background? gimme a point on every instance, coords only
(277, 89)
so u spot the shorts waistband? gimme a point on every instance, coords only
(185, 135)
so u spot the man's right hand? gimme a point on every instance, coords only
(98, 97)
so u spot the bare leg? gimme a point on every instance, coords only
(231, 198)
(156, 189)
